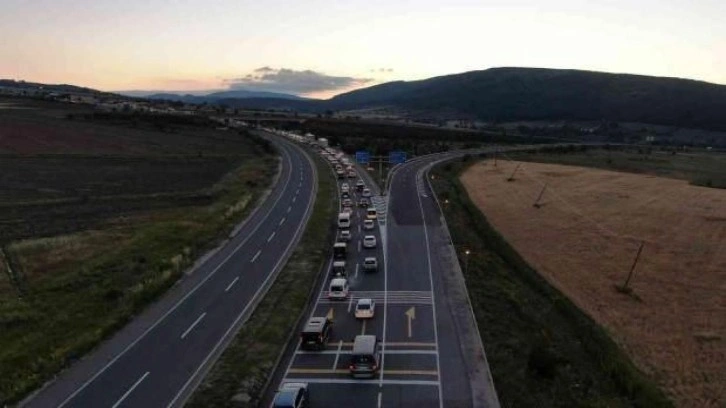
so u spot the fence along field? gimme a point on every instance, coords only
(100, 214)
(583, 237)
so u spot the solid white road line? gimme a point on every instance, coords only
(126, 394)
(231, 284)
(347, 352)
(282, 221)
(380, 396)
(356, 272)
(337, 354)
(424, 173)
(360, 381)
(254, 258)
(271, 236)
(196, 322)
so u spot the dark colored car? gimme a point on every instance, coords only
(316, 333)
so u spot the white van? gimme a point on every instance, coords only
(344, 220)
(365, 358)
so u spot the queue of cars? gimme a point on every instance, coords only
(317, 332)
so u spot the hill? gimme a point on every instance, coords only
(509, 94)
(216, 97)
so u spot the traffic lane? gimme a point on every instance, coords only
(343, 395)
(463, 363)
(410, 396)
(145, 353)
(345, 325)
(421, 324)
(407, 262)
(163, 347)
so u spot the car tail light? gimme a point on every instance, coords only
(375, 367)
(352, 367)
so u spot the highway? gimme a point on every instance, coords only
(158, 359)
(431, 348)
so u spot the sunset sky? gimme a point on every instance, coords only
(323, 47)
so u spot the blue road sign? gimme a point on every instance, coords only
(362, 157)
(397, 157)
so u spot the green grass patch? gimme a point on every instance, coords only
(239, 376)
(542, 350)
(69, 303)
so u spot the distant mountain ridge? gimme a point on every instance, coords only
(513, 94)
(213, 97)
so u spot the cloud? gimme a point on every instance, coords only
(293, 81)
(382, 70)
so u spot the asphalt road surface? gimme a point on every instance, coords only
(159, 358)
(432, 352)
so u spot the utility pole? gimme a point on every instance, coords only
(536, 202)
(632, 268)
(511, 178)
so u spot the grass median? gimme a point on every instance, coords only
(542, 350)
(239, 377)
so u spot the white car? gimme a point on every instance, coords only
(338, 288)
(369, 225)
(366, 192)
(345, 235)
(369, 241)
(370, 264)
(344, 188)
(365, 309)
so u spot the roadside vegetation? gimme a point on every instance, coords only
(697, 166)
(97, 227)
(542, 350)
(239, 377)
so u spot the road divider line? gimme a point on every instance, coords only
(363, 328)
(288, 209)
(360, 382)
(355, 277)
(337, 355)
(294, 199)
(231, 284)
(130, 390)
(380, 396)
(282, 221)
(196, 322)
(271, 236)
(350, 304)
(316, 371)
(359, 246)
(254, 258)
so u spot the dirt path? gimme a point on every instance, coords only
(583, 239)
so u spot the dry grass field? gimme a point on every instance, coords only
(583, 239)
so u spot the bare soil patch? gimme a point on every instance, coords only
(583, 239)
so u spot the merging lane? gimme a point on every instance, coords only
(159, 358)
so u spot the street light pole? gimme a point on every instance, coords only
(466, 262)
